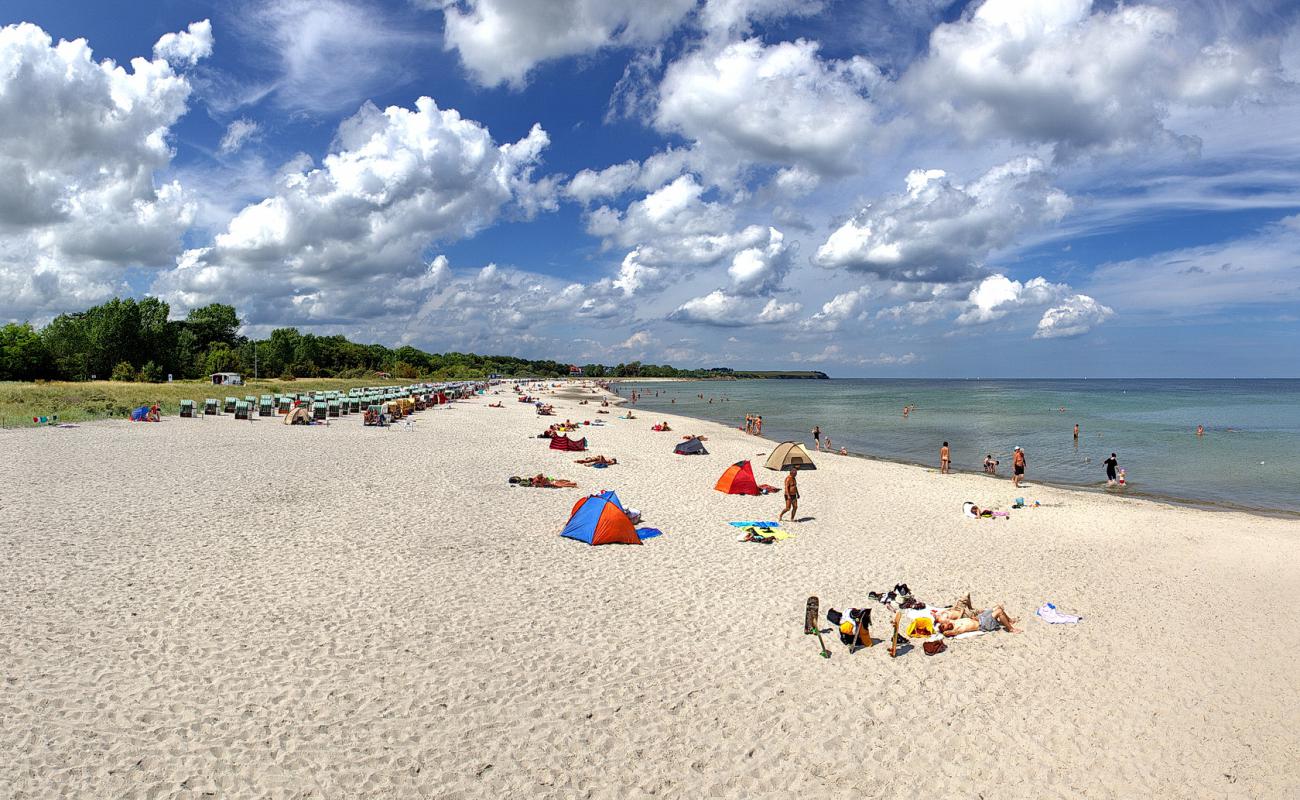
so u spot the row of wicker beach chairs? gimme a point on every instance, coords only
(384, 404)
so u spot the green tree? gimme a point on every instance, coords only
(150, 373)
(123, 371)
(215, 323)
(186, 354)
(221, 358)
(68, 346)
(23, 356)
(113, 335)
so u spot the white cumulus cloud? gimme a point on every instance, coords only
(80, 144)
(186, 47)
(1079, 77)
(721, 309)
(500, 41)
(775, 104)
(1076, 316)
(941, 231)
(333, 239)
(841, 308)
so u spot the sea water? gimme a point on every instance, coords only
(1246, 459)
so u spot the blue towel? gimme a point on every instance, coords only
(648, 533)
(755, 524)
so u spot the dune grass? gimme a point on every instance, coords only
(89, 400)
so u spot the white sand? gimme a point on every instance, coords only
(221, 608)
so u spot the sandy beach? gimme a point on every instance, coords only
(218, 608)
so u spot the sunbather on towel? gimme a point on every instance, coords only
(952, 623)
(597, 460)
(543, 482)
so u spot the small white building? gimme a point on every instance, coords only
(227, 379)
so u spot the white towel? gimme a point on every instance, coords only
(1049, 613)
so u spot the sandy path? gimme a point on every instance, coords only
(245, 609)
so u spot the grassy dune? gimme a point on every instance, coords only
(75, 402)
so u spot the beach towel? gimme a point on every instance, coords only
(648, 533)
(754, 524)
(1050, 614)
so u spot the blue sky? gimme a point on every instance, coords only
(888, 188)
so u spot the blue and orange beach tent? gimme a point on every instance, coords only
(600, 519)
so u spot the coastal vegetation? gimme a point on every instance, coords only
(125, 340)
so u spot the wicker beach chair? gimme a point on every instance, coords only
(187, 408)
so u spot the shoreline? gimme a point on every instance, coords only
(1163, 498)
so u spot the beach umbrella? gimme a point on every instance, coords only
(788, 456)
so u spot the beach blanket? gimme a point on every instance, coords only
(648, 533)
(1048, 612)
(754, 524)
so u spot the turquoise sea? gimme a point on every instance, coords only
(1248, 457)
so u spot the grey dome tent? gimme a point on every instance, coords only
(691, 447)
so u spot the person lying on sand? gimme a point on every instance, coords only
(542, 482)
(693, 436)
(597, 460)
(976, 512)
(497, 404)
(953, 623)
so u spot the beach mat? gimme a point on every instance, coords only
(648, 533)
(754, 524)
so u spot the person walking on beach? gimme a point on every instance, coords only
(817, 437)
(1112, 464)
(944, 460)
(1018, 467)
(791, 496)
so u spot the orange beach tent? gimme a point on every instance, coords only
(738, 479)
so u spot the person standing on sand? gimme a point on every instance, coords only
(944, 461)
(817, 437)
(791, 496)
(1111, 464)
(1018, 467)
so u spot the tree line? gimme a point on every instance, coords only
(130, 340)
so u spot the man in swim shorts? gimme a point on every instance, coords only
(1018, 467)
(791, 497)
(953, 623)
(944, 460)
